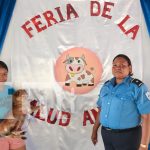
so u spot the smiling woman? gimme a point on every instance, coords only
(6, 121)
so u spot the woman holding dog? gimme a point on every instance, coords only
(9, 140)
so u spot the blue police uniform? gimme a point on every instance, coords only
(121, 108)
(122, 104)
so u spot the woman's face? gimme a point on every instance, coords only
(3, 75)
(121, 68)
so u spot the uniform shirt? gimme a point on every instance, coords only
(122, 104)
(5, 101)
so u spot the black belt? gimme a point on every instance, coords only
(120, 130)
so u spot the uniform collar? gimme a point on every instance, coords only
(126, 80)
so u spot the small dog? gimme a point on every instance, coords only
(21, 107)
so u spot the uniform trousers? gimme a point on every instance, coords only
(149, 146)
(128, 139)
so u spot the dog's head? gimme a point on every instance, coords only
(21, 105)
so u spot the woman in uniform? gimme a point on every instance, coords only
(124, 110)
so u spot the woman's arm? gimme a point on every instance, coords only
(96, 126)
(145, 131)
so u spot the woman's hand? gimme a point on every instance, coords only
(94, 137)
(17, 134)
(145, 131)
(142, 148)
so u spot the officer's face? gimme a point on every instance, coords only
(121, 68)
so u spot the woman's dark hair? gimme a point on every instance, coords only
(127, 59)
(3, 65)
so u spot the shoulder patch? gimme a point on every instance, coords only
(137, 82)
(148, 95)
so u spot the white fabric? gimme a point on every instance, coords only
(32, 61)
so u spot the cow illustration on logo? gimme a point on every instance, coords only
(76, 72)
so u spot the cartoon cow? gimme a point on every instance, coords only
(76, 72)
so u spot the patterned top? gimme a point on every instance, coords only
(5, 101)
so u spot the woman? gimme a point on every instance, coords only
(124, 104)
(7, 142)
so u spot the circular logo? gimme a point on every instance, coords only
(78, 70)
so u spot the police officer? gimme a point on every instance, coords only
(124, 110)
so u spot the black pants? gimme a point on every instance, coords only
(122, 140)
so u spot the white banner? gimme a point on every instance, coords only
(61, 52)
